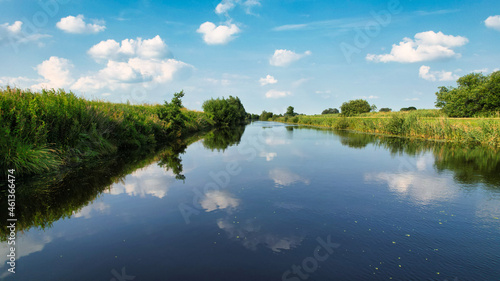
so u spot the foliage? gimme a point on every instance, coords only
(222, 138)
(225, 112)
(330, 111)
(290, 112)
(408, 108)
(264, 116)
(354, 107)
(423, 124)
(475, 94)
(171, 113)
(51, 129)
(385, 109)
(251, 116)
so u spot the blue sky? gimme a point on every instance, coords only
(309, 54)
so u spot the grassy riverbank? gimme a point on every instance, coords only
(49, 130)
(422, 124)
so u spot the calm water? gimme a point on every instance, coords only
(266, 202)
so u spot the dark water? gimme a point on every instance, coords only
(266, 202)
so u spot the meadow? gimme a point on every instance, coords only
(52, 129)
(421, 124)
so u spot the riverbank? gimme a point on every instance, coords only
(420, 124)
(46, 131)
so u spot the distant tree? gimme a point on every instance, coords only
(264, 116)
(408, 108)
(475, 94)
(290, 112)
(385, 109)
(373, 108)
(330, 111)
(354, 107)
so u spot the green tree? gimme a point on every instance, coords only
(385, 109)
(354, 107)
(408, 108)
(290, 112)
(171, 113)
(264, 116)
(475, 94)
(330, 111)
(225, 112)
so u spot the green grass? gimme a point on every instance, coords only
(51, 129)
(422, 124)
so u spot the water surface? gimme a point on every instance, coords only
(267, 202)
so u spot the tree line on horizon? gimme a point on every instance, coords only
(476, 95)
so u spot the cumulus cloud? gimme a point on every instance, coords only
(216, 35)
(112, 50)
(13, 34)
(426, 73)
(267, 80)
(493, 22)
(426, 46)
(71, 24)
(56, 73)
(274, 94)
(133, 71)
(285, 57)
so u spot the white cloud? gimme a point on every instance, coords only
(493, 22)
(285, 57)
(252, 236)
(151, 180)
(56, 73)
(226, 5)
(112, 50)
(135, 70)
(412, 99)
(215, 200)
(268, 80)
(426, 73)
(369, 97)
(71, 24)
(268, 155)
(483, 70)
(277, 94)
(87, 211)
(13, 34)
(215, 35)
(426, 46)
(282, 177)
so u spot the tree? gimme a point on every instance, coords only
(354, 107)
(330, 111)
(408, 108)
(373, 108)
(225, 112)
(385, 109)
(475, 94)
(289, 111)
(264, 116)
(171, 113)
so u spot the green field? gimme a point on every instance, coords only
(422, 124)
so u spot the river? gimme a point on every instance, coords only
(267, 201)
